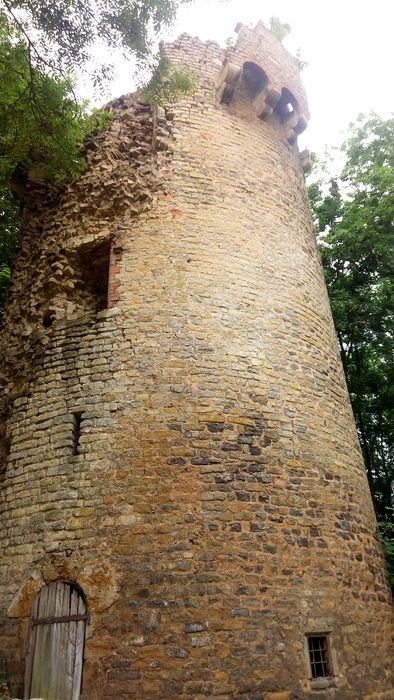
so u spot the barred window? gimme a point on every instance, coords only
(319, 656)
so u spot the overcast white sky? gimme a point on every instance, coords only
(348, 45)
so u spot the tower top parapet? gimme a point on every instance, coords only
(260, 45)
(260, 59)
(257, 69)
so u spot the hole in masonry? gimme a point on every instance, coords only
(94, 270)
(254, 78)
(287, 104)
(76, 432)
(47, 321)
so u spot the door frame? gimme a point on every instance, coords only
(36, 622)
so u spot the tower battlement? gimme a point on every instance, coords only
(260, 46)
(271, 77)
(257, 69)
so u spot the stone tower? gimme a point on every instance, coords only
(182, 485)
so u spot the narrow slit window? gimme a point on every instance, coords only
(77, 420)
(319, 656)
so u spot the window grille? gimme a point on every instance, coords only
(319, 656)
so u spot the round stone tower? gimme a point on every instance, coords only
(185, 512)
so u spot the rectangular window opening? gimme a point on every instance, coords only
(76, 433)
(94, 261)
(319, 656)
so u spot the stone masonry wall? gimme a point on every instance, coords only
(217, 510)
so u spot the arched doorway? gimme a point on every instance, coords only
(56, 644)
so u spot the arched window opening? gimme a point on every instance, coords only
(56, 645)
(287, 104)
(254, 78)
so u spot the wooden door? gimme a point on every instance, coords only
(54, 665)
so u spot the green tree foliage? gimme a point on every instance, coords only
(387, 534)
(355, 222)
(9, 227)
(300, 61)
(42, 125)
(167, 84)
(42, 128)
(61, 34)
(278, 28)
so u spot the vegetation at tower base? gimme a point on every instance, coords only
(355, 224)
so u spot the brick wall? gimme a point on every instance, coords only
(217, 510)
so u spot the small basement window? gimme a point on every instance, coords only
(94, 274)
(319, 656)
